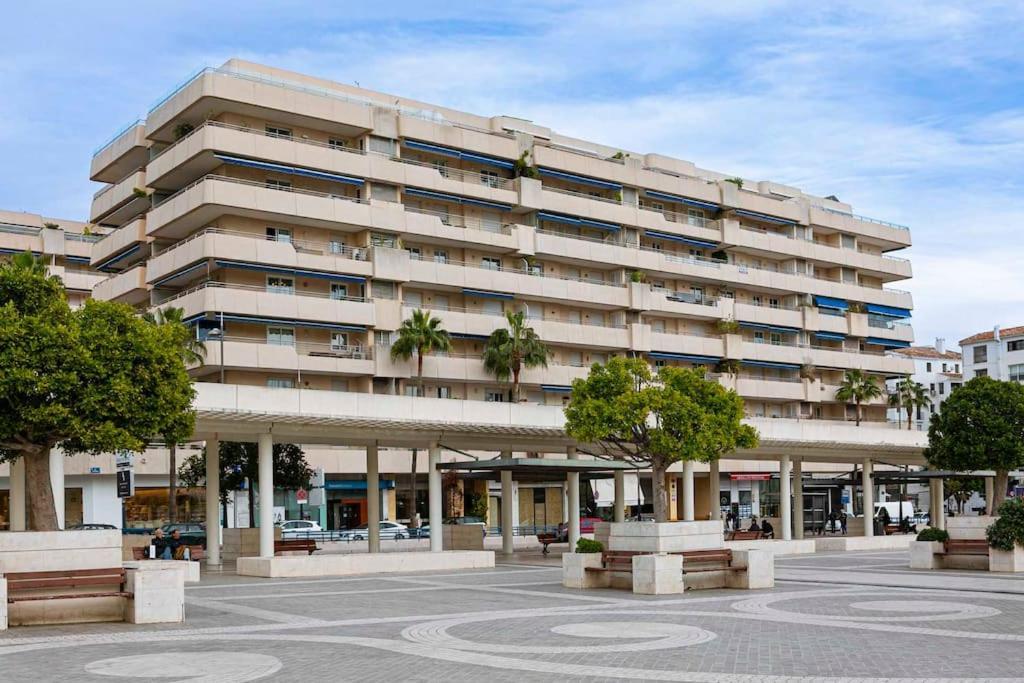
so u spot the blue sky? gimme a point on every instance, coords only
(912, 111)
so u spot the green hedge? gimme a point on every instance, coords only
(1008, 529)
(585, 545)
(932, 534)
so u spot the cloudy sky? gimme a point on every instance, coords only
(911, 111)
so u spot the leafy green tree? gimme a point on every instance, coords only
(857, 388)
(656, 420)
(419, 336)
(980, 427)
(239, 460)
(193, 351)
(92, 380)
(509, 350)
(962, 488)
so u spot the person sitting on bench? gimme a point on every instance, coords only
(176, 547)
(767, 530)
(160, 551)
(753, 525)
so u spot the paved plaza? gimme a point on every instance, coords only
(833, 617)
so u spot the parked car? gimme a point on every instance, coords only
(422, 531)
(193, 533)
(90, 526)
(299, 528)
(388, 530)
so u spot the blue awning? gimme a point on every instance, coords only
(355, 484)
(658, 235)
(582, 180)
(708, 206)
(685, 357)
(458, 154)
(297, 272)
(889, 343)
(829, 302)
(78, 259)
(117, 257)
(832, 336)
(291, 170)
(427, 194)
(579, 222)
(180, 273)
(556, 388)
(763, 217)
(771, 328)
(888, 311)
(487, 294)
(7, 250)
(769, 364)
(471, 337)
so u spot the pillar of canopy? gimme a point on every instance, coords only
(265, 446)
(939, 509)
(688, 511)
(785, 498)
(16, 502)
(373, 499)
(798, 498)
(573, 479)
(507, 508)
(57, 483)
(620, 496)
(714, 474)
(868, 498)
(213, 533)
(434, 498)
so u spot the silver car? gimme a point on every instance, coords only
(387, 530)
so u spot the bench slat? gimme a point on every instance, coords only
(32, 584)
(30, 598)
(105, 571)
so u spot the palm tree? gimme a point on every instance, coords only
(896, 401)
(915, 396)
(30, 263)
(419, 335)
(508, 351)
(192, 351)
(857, 388)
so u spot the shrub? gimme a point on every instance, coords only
(930, 533)
(1008, 530)
(728, 326)
(585, 545)
(638, 276)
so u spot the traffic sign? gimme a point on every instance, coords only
(302, 497)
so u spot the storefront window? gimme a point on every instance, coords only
(148, 507)
(769, 498)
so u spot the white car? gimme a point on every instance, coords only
(387, 530)
(299, 528)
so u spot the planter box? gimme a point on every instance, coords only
(657, 574)
(575, 574)
(922, 554)
(1006, 561)
(660, 537)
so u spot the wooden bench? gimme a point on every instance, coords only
(965, 547)
(17, 582)
(290, 545)
(719, 559)
(196, 552)
(744, 535)
(549, 538)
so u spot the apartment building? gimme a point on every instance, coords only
(998, 354)
(298, 221)
(938, 370)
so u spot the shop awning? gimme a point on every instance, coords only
(664, 196)
(470, 337)
(658, 235)
(458, 154)
(440, 196)
(355, 484)
(763, 217)
(887, 311)
(556, 388)
(829, 302)
(888, 343)
(487, 294)
(579, 222)
(291, 170)
(683, 357)
(295, 272)
(582, 180)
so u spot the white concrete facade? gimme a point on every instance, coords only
(998, 354)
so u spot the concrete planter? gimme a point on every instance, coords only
(660, 537)
(575, 574)
(242, 542)
(658, 574)
(1006, 561)
(923, 554)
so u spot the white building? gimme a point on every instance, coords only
(998, 354)
(938, 370)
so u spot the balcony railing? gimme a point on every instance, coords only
(116, 135)
(866, 219)
(79, 237)
(584, 195)
(468, 222)
(519, 271)
(676, 217)
(264, 185)
(323, 349)
(543, 317)
(301, 246)
(13, 229)
(211, 284)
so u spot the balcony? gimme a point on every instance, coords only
(77, 280)
(822, 356)
(128, 287)
(121, 247)
(258, 303)
(115, 159)
(892, 235)
(688, 344)
(470, 368)
(118, 202)
(242, 353)
(215, 243)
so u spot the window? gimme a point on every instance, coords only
(280, 383)
(413, 390)
(490, 221)
(927, 367)
(275, 132)
(931, 387)
(759, 337)
(494, 396)
(956, 367)
(492, 307)
(490, 178)
(656, 246)
(440, 302)
(384, 193)
(383, 289)
(279, 235)
(441, 166)
(698, 294)
(775, 338)
(413, 299)
(444, 392)
(337, 143)
(280, 336)
(981, 372)
(384, 239)
(280, 285)
(574, 317)
(415, 253)
(382, 337)
(773, 302)
(278, 184)
(490, 263)
(657, 325)
(1015, 345)
(944, 367)
(381, 145)
(981, 354)
(695, 217)
(756, 300)
(1017, 372)
(535, 268)
(339, 340)
(336, 247)
(339, 291)
(440, 256)
(849, 242)
(659, 363)
(575, 359)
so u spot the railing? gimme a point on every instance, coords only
(686, 297)
(109, 186)
(355, 352)
(20, 229)
(116, 135)
(264, 185)
(457, 221)
(302, 246)
(520, 271)
(211, 284)
(79, 237)
(676, 217)
(584, 195)
(865, 219)
(543, 317)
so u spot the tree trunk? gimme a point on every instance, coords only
(999, 490)
(252, 505)
(515, 385)
(910, 416)
(419, 372)
(658, 470)
(39, 491)
(412, 486)
(172, 485)
(858, 413)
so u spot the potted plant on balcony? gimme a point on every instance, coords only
(522, 168)
(183, 129)
(728, 326)
(638, 276)
(738, 182)
(808, 371)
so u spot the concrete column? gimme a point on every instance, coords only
(213, 502)
(507, 506)
(265, 445)
(57, 483)
(688, 490)
(434, 495)
(868, 498)
(17, 495)
(573, 479)
(373, 499)
(714, 484)
(785, 498)
(798, 498)
(939, 520)
(620, 496)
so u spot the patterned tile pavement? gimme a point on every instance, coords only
(832, 617)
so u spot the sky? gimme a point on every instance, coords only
(911, 111)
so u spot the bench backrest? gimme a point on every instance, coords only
(715, 555)
(976, 546)
(744, 535)
(301, 543)
(65, 578)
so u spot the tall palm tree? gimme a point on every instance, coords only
(30, 263)
(419, 335)
(896, 401)
(857, 388)
(192, 351)
(915, 396)
(509, 350)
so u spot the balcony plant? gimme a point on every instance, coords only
(858, 307)
(728, 326)
(728, 366)
(508, 351)
(522, 168)
(856, 388)
(808, 371)
(183, 129)
(96, 379)
(738, 182)
(52, 226)
(653, 421)
(139, 193)
(980, 427)
(638, 276)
